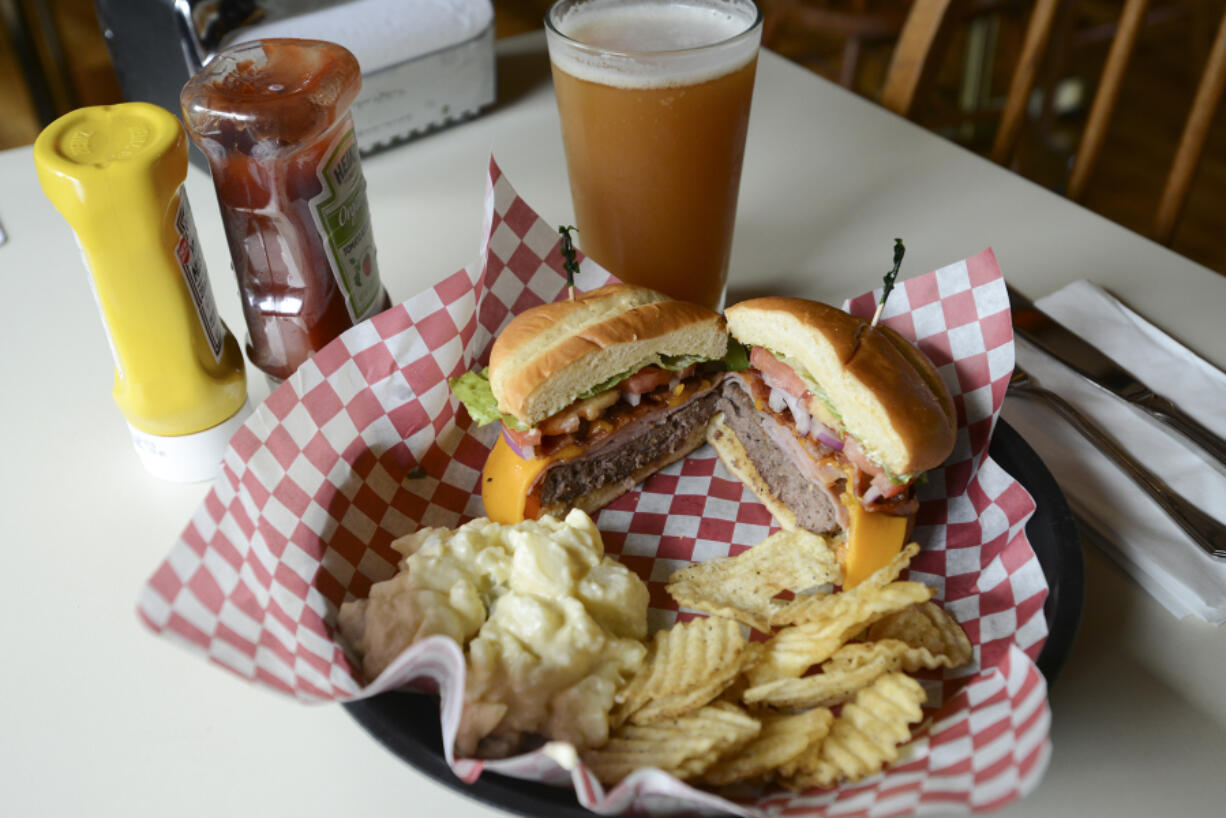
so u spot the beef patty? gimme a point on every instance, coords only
(646, 440)
(812, 505)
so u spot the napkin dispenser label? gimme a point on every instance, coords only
(156, 45)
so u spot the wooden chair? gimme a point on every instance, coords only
(806, 30)
(927, 24)
(857, 23)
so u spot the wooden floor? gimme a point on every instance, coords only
(1125, 187)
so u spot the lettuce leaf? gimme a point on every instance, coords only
(737, 357)
(676, 363)
(605, 385)
(473, 390)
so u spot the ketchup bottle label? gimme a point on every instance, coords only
(191, 262)
(343, 218)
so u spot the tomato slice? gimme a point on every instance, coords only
(781, 375)
(887, 488)
(532, 437)
(647, 379)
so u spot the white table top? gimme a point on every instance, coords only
(98, 717)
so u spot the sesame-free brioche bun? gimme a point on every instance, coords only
(549, 355)
(888, 394)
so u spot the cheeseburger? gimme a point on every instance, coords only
(593, 395)
(832, 423)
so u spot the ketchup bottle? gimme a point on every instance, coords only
(272, 116)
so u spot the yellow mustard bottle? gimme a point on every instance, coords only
(115, 173)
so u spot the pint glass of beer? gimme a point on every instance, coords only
(654, 100)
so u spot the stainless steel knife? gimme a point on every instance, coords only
(1047, 334)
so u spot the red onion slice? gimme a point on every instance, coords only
(826, 435)
(831, 441)
(806, 424)
(871, 496)
(524, 452)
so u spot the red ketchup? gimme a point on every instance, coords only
(272, 116)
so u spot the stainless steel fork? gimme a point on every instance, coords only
(1205, 531)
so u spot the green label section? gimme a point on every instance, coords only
(343, 218)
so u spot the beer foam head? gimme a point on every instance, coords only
(653, 43)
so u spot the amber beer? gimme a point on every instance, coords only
(654, 101)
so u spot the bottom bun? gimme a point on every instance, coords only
(737, 460)
(600, 497)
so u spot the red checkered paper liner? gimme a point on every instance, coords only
(365, 444)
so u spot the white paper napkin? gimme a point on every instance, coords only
(381, 33)
(1131, 527)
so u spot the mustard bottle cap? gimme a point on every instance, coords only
(106, 139)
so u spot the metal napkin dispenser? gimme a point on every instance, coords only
(425, 63)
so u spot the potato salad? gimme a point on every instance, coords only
(551, 627)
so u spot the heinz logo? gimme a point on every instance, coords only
(345, 166)
(183, 250)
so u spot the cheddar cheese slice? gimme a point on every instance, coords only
(873, 539)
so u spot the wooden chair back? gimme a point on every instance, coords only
(928, 22)
(858, 23)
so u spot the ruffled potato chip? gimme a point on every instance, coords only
(851, 668)
(688, 666)
(812, 608)
(684, 747)
(743, 587)
(936, 637)
(784, 736)
(794, 650)
(864, 738)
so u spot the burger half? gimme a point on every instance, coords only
(593, 395)
(832, 424)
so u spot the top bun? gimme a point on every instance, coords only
(550, 355)
(889, 395)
